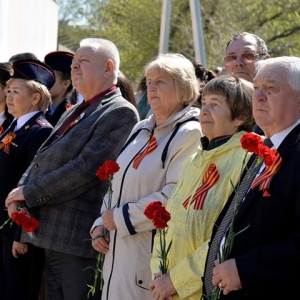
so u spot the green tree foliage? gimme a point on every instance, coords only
(134, 26)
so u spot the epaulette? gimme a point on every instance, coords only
(43, 122)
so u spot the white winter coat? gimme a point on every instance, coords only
(127, 270)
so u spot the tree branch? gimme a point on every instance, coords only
(270, 19)
(284, 34)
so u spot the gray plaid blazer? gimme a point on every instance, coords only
(60, 186)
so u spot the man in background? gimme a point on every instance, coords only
(242, 51)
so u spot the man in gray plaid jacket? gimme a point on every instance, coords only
(60, 187)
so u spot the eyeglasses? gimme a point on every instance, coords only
(247, 57)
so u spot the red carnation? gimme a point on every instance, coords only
(108, 169)
(161, 217)
(30, 224)
(269, 157)
(250, 141)
(19, 217)
(151, 208)
(158, 214)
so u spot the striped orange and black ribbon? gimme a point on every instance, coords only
(210, 177)
(7, 141)
(264, 179)
(151, 146)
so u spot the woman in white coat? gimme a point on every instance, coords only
(150, 165)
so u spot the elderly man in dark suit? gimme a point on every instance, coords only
(60, 187)
(264, 260)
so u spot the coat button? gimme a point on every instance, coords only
(140, 281)
(36, 166)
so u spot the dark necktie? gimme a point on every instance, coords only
(222, 229)
(69, 121)
(11, 127)
(268, 142)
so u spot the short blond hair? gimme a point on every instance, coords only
(39, 88)
(182, 71)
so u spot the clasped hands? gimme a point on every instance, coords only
(15, 196)
(225, 275)
(100, 241)
(161, 287)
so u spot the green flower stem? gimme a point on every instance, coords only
(98, 269)
(164, 250)
(5, 223)
(101, 256)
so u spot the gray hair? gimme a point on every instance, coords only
(291, 64)
(182, 71)
(108, 49)
(262, 47)
(238, 93)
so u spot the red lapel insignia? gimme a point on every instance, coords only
(264, 179)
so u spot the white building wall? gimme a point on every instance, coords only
(28, 26)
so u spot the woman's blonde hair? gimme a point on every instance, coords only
(36, 87)
(182, 71)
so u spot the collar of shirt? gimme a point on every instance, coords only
(2, 117)
(91, 101)
(278, 137)
(23, 119)
(53, 108)
(215, 142)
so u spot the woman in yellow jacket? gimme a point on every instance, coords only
(206, 183)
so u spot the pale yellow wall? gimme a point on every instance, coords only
(28, 26)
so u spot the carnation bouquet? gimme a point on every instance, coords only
(105, 172)
(23, 219)
(160, 217)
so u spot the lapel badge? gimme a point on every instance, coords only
(27, 127)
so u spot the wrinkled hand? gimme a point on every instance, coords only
(227, 275)
(100, 244)
(108, 220)
(161, 287)
(19, 248)
(15, 195)
(13, 207)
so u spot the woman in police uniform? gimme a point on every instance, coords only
(27, 98)
(5, 117)
(60, 62)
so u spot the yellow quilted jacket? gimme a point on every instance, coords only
(189, 229)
